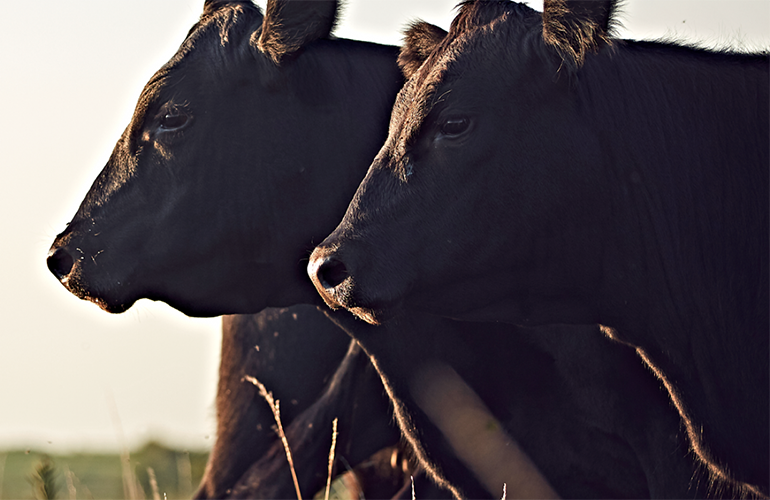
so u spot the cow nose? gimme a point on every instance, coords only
(60, 263)
(330, 272)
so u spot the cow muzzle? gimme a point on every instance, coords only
(329, 274)
(69, 268)
(339, 286)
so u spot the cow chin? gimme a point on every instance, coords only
(112, 308)
(105, 300)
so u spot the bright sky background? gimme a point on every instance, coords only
(71, 74)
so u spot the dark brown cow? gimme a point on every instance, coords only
(540, 171)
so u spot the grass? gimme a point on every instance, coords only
(28, 474)
(276, 409)
(153, 471)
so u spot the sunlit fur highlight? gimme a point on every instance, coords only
(572, 30)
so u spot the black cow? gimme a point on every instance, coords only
(545, 172)
(173, 215)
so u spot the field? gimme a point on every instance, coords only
(27, 474)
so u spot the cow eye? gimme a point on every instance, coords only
(173, 121)
(453, 127)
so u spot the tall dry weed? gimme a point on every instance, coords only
(276, 409)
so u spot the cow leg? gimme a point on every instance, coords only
(294, 351)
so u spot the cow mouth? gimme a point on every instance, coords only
(116, 308)
(345, 296)
(105, 301)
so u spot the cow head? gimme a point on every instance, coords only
(235, 162)
(468, 154)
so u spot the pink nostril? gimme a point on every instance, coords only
(60, 263)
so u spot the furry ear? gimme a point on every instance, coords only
(419, 41)
(211, 6)
(289, 25)
(576, 27)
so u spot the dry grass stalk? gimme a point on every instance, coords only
(331, 460)
(69, 479)
(153, 484)
(276, 409)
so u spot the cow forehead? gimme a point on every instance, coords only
(421, 92)
(212, 41)
(209, 48)
(473, 38)
(229, 24)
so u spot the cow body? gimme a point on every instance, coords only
(555, 175)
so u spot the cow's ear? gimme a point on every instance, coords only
(290, 25)
(211, 6)
(576, 27)
(419, 41)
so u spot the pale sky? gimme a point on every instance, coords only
(71, 74)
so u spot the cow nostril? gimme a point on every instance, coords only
(331, 273)
(60, 263)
